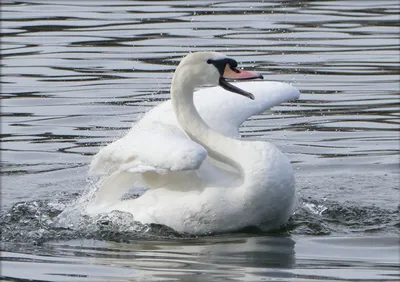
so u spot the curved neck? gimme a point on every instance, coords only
(218, 146)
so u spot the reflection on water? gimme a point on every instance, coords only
(222, 258)
(75, 76)
(233, 257)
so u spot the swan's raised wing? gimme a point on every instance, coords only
(225, 111)
(149, 146)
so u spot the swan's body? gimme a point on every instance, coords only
(212, 181)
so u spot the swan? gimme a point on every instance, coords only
(200, 177)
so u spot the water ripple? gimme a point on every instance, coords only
(75, 77)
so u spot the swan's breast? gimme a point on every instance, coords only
(268, 192)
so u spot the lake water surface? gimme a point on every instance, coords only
(76, 74)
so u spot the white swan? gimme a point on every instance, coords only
(202, 178)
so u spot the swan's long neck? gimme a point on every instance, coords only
(218, 146)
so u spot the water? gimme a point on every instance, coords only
(75, 76)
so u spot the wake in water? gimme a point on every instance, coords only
(42, 221)
(75, 217)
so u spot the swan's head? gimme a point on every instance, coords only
(212, 68)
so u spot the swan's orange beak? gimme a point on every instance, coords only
(235, 74)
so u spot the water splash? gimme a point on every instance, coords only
(332, 218)
(40, 221)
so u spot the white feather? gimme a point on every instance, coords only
(190, 191)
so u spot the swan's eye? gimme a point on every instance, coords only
(209, 61)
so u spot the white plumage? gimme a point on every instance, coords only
(212, 181)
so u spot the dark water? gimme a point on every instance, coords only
(76, 74)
